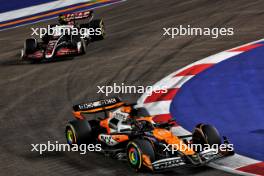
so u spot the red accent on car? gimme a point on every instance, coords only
(65, 51)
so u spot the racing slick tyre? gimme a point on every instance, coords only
(78, 132)
(30, 45)
(98, 24)
(83, 46)
(140, 154)
(206, 134)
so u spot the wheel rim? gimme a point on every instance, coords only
(70, 136)
(133, 155)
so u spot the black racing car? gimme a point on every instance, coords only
(66, 39)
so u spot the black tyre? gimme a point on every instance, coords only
(30, 45)
(83, 46)
(76, 41)
(206, 134)
(99, 27)
(140, 154)
(78, 132)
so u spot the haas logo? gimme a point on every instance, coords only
(107, 139)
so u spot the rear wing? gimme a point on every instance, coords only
(75, 16)
(97, 106)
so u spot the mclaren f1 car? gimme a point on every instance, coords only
(126, 132)
(68, 38)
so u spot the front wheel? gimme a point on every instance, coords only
(206, 134)
(30, 46)
(83, 46)
(140, 154)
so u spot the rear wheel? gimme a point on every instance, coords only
(99, 27)
(78, 132)
(140, 154)
(206, 134)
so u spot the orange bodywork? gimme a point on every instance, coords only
(120, 137)
(126, 109)
(149, 119)
(159, 133)
(147, 161)
(169, 138)
(78, 115)
(105, 124)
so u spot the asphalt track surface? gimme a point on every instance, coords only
(36, 99)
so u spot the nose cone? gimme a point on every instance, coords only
(50, 49)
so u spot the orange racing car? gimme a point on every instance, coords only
(126, 132)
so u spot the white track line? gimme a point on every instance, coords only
(10, 15)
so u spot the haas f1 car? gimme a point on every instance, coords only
(126, 132)
(65, 38)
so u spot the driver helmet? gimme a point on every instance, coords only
(126, 109)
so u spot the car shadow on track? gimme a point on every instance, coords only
(95, 163)
(19, 62)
